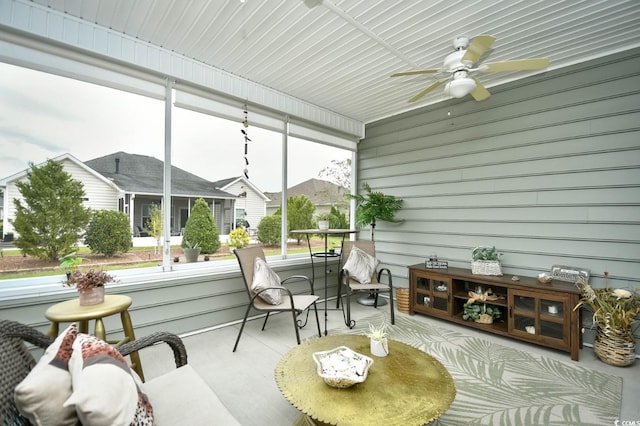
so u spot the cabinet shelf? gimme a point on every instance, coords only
(538, 313)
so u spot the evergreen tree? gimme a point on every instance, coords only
(201, 229)
(108, 233)
(52, 219)
(300, 212)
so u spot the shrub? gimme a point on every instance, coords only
(238, 238)
(201, 229)
(108, 233)
(269, 230)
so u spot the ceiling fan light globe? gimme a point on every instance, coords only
(460, 87)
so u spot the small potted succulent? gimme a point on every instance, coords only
(378, 338)
(191, 251)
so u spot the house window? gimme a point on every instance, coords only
(146, 215)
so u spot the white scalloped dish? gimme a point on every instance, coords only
(341, 367)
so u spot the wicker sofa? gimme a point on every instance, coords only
(178, 397)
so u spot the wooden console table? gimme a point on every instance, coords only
(534, 312)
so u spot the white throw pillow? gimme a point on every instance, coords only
(40, 396)
(263, 278)
(105, 392)
(361, 265)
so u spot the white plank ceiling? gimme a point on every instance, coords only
(338, 54)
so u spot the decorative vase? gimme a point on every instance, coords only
(615, 346)
(323, 225)
(379, 347)
(191, 254)
(91, 296)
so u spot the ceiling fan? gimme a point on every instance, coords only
(459, 66)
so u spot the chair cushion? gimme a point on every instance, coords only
(182, 397)
(361, 265)
(39, 397)
(104, 390)
(264, 278)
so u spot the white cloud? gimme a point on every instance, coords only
(43, 116)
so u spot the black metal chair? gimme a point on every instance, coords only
(352, 285)
(294, 303)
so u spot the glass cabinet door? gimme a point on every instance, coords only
(539, 316)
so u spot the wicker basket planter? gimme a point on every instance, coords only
(484, 267)
(614, 346)
(402, 299)
(484, 319)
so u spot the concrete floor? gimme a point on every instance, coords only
(244, 380)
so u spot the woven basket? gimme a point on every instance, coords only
(485, 319)
(614, 346)
(485, 267)
(402, 299)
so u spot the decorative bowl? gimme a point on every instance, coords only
(341, 367)
(544, 278)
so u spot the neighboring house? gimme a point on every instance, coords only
(132, 183)
(100, 192)
(323, 194)
(251, 205)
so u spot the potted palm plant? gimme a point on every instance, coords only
(375, 206)
(614, 312)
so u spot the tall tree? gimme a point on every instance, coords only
(155, 224)
(300, 212)
(52, 219)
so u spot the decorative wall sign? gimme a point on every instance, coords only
(569, 273)
(436, 264)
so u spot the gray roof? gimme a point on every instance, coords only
(320, 192)
(145, 174)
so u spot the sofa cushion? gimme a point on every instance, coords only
(104, 390)
(182, 397)
(39, 397)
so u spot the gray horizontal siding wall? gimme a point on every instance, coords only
(547, 170)
(167, 301)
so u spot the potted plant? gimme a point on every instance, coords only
(378, 341)
(90, 285)
(485, 314)
(614, 311)
(70, 263)
(486, 261)
(191, 251)
(375, 206)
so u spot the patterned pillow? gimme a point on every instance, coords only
(264, 277)
(104, 390)
(361, 265)
(39, 397)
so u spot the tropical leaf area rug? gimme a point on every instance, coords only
(499, 385)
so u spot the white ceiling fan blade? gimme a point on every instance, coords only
(480, 93)
(518, 65)
(425, 91)
(478, 46)
(416, 72)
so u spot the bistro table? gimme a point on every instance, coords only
(407, 387)
(326, 254)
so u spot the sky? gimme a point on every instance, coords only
(43, 116)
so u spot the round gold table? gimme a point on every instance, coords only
(407, 387)
(72, 311)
